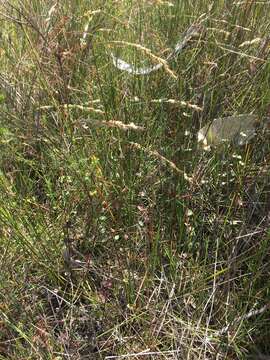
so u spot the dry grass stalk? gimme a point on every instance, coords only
(71, 107)
(177, 102)
(150, 54)
(242, 54)
(251, 42)
(156, 155)
(116, 124)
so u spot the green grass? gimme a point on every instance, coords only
(117, 242)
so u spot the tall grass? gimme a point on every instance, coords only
(119, 236)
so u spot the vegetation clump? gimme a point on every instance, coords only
(120, 238)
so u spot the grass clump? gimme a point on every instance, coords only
(120, 238)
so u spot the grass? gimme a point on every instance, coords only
(131, 242)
